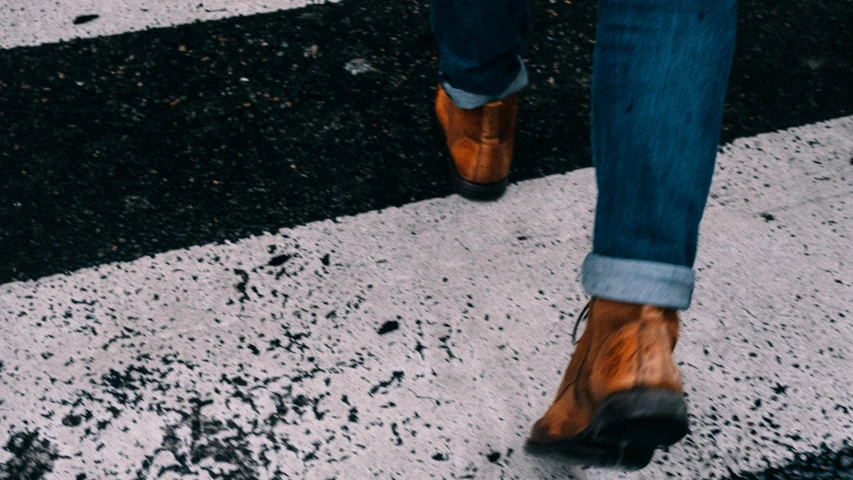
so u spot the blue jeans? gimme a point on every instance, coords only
(660, 69)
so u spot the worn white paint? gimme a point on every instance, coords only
(487, 289)
(34, 22)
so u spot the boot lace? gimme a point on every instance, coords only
(584, 315)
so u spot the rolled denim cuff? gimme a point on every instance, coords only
(466, 100)
(638, 281)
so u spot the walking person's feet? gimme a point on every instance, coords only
(621, 396)
(481, 143)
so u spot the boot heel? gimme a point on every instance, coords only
(643, 417)
(475, 191)
(469, 190)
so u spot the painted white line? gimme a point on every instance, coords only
(34, 22)
(265, 355)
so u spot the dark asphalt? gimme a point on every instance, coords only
(120, 147)
(823, 465)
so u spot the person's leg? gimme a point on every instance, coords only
(480, 73)
(480, 43)
(659, 80)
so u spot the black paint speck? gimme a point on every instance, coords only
(325, 260)
(397, 439)
(241, 287)
(768, 217)
(494, 457)
(72, 420)
(420, 349)
(440, 457)
(396, 376)
(85, 19)
(780, 389)
(279, 260)
(389, 327)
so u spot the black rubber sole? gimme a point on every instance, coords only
(625, 430)
(475, 191)
(644, 417)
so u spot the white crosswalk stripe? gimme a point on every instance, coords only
(27, 22)
(264, 357)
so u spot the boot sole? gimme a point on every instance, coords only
(475, 191)
(644, 417)
(625, 430)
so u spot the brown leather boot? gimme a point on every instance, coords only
(621, 389)
(481, 141)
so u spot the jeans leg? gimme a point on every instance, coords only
(480, 43)
(659, 81)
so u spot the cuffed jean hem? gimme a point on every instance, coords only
(466, 100)
(638, 281)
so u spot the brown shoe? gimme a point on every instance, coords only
(621, 388)
(481, 141)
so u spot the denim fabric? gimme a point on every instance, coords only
(469, 100)
(660, 72)
(480, 42)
